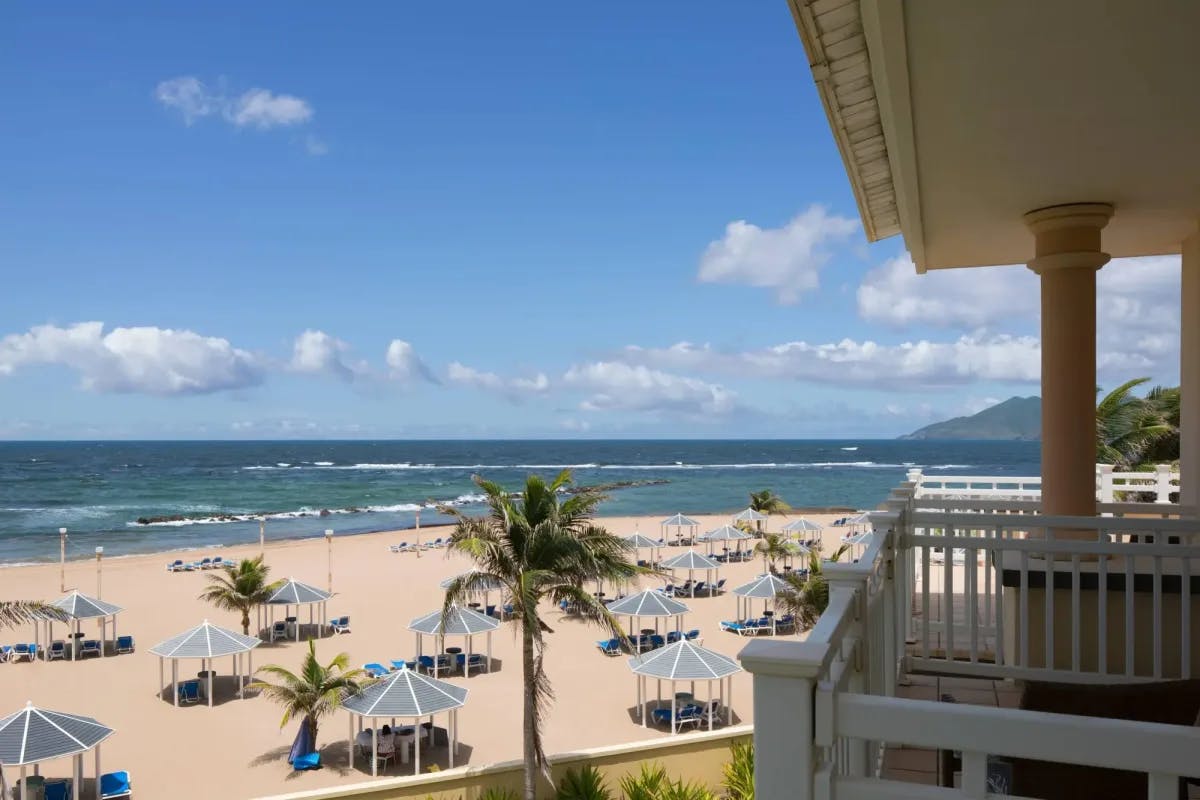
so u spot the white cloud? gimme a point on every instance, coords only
(256, 108)
(405, 365)
(512, 388)
(866, 364)
(615, 386)
(316, 352)
(159, 361)
(787, 259)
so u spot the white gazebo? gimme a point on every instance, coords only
(652, 604)
(765, 587)
(689, 663)
(206, 642)
(294, 593)
(405, 695)
(725, 533)
(802, 526)
(78, 607)
(679, 522)
(480, 584)
(455, 621)
(639, 541)
(692, 561)
(33, 735)
(750, 515)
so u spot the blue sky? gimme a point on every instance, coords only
(560, 220)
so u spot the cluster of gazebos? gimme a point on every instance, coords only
(35, 735)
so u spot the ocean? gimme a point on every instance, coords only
(139, 497)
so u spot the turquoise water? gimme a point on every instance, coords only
(99, 490)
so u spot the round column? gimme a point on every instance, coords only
(1067, 256)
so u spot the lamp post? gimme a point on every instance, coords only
(418, 515)
(99, 557)
(329, 553)
(62, 559)
(262, 536)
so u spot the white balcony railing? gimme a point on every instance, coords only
(826, 709)
(1163, 482)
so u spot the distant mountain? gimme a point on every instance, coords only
(1016, 419)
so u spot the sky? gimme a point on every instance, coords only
(420, 220)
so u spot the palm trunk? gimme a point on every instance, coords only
(246, 621)
(529, 733)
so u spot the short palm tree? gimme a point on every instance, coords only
(312, 693)
(539, 546)
(240, 587)
(1127, 426)
(767, 502)
(19, 612)
(772, 547)
(807, 597)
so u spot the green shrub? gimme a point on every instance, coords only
(585, 783)
(652, 783)
(498, 793)
(738, 773)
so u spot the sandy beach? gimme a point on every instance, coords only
(239, 742)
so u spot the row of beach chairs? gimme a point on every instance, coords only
(433, 665)
(279, 628)
(216, 562)
(689, 714)
(753, 627)
(701, 587)
(112, 786)
(646, 642)
(27, 651)
(405, 547)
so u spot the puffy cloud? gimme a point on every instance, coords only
(256, 108)
(159, 361)
(316, 352)
(512, 388)
(866, 364)
(405, 365)
(616, 386)
(787, 259)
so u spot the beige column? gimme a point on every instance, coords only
(1067, 256)
(1189, 373)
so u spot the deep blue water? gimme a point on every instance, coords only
(98, 490)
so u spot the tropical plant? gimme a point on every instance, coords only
(652, 783)
(767, 502)
(586, 783)
(317, 690)
(498, 793)
(240, 587)
(772, 547)
(737, 776)
(1127, 426)
(19, 612)
(807, 597)
(538, 547)
(1166, 400)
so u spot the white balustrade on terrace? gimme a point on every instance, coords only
(825, 708)
(1162, 483)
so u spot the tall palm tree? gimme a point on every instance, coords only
(1127, 426)
(1166, 400)
(807, 597)
(539, 546)
(313, 692)
(240, 587)
(767, 502)
(772, 547)
(19, 612)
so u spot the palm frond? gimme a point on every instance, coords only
(20, 612)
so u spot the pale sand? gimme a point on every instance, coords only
(237, 749)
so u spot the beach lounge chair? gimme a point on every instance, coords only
(610, 647)
(490, 611)
(90, 647)
(175, 566)
(57, 790)
(189, 691)
(720, 587)
(689, 714)
(278, 630)
(785, 623)
(57, 649)
(674, 636)
(5, 652)
(375, 670)
(340, 624)
(657, 641)
(397, 663)
(694, 636)
(507, 611)
(124, 644)
(426, 663)
(204, 563)
(23, 651)
(700, 588)
(115, 784)
(467, 663)
(306, 761)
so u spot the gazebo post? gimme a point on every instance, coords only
(729, 702)
(160, 676)
(77, 771)
(175, 681)
(350, 740)
(467, 663)
(374, 747)
(641, 699)
(489, 658)
(417, 742)
(210, 672)
(97, 773)
(673, 730)
(21, 778)
(237, 670)
(451, 733)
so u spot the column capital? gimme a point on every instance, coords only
(1068, 236)
(1070, 215)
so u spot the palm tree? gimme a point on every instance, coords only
(539, 547)
(240, 588)
(767, 502)
(772, 547)
(1165, 400)
(312, 693)
(807, 597)
(1127, 426)
(19, 612)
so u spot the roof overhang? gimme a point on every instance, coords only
(954, 119)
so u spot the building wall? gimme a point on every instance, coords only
(691, 756)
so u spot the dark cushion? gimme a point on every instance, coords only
(1166, 702)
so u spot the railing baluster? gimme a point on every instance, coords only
(1048, 604)
(948, 590)
(1158, 648)
(997, 563)
(1023, 601)
(926, 550)
(1102, 614)
(1076, 616)
(1185, 618)
(1129, 664)
(971, 607)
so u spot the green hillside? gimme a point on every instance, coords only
(1017, 418)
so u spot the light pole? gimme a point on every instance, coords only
(418, 513)
(62, 559)
(329, 553)
(262, 536)
(99, 556)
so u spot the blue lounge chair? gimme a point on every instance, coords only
(115, 784)
(5, 652)
(57, 650)
(507, 611)
(189, 692)
(467, 663)
(657, 641)
(340, 624)
(720, 587)
(699, 588)
(490, 611)
(398, 663)
(306, 761)
(693, 635)
(124, 644)
(786, 622)
(376, 670)
(610, 647)
(278, 630)
(689, 714)
(426, 663)
(176, 566)
(57, 790)
(674, 636)
(21, 650)
(90, 647)
(204, 563)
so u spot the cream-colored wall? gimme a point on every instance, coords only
(1143, 626)
(691, 756)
